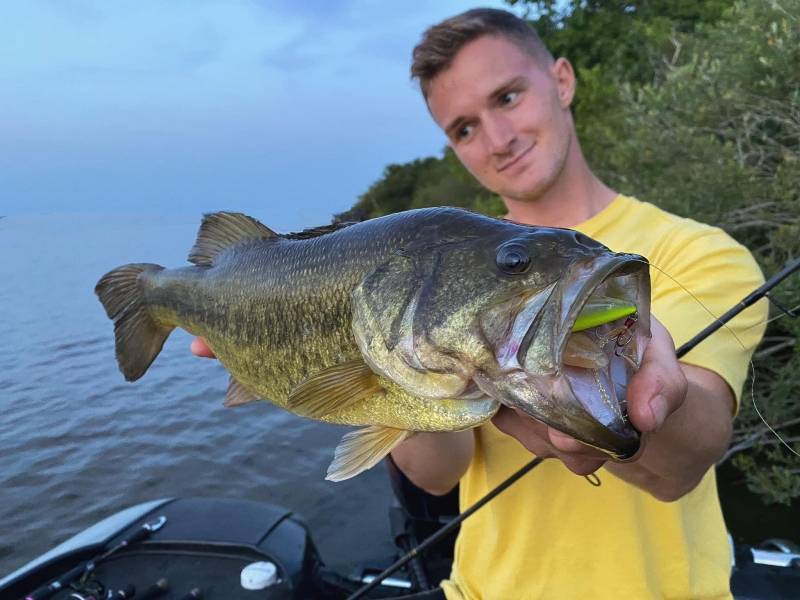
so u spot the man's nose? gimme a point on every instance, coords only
(500, 134)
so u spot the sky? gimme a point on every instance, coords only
(186, 106)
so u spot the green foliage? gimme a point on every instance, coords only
(423, 183)
(694, 106)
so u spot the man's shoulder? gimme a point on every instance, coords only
(663, 228)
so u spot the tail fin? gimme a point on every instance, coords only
(139, 338)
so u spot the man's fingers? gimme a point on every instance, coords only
(659, 387)
(564, 442)
(200, 348)
(528, 432)
(582, 466)
(546, 442)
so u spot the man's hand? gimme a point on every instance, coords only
(200, 348)
(546, 442)
(656, 391)
(684, 410)
(659, 387)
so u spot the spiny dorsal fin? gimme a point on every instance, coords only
(313, 232)
(334, 388)
(238, 394)
(362, 449)
(223, 229)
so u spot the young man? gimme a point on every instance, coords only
(654, 528)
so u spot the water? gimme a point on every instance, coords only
(78, 443)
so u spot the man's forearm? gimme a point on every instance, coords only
(435, 461)
(676, 457)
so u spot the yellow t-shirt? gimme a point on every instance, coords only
(552, 534)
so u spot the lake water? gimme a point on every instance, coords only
(78, 443)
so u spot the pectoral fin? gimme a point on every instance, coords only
(334, 388)
(362, 449)
(238, 394)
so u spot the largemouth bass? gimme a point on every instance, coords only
(426, 320)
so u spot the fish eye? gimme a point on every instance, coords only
(512, 259)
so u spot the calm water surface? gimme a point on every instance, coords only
(78, 443)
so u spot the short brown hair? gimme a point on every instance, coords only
(440, 43)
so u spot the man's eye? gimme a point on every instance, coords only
(508, 97)
(464, 132)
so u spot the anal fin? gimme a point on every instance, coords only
(238, 394)
(362, 449)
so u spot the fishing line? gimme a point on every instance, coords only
(756, 295)
(788, 313)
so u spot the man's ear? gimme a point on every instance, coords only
(564, 75)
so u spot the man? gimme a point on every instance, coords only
(654, 527)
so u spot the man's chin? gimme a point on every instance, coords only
(526, 194)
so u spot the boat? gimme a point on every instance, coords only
(222, 548)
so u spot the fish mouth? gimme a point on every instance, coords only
(583, 340)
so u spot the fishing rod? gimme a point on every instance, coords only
(432, 539)
(747, 301)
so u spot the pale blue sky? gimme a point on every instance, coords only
(195, 105)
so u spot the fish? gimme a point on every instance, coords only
(419, 321)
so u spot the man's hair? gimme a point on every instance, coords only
(440, 43)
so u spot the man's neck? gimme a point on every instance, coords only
(576, 196)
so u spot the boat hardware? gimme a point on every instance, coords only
(159, 588)
(84, 569)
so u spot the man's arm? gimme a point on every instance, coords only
(435, 462)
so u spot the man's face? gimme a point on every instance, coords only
(506, 116)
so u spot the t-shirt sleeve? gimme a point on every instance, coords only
(696, 278)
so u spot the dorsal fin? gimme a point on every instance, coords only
(313, 232)
(223, 229)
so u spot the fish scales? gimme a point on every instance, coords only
(425, 320)
(261, 293)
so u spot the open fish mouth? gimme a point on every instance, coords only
(602, 341)
(583, 341)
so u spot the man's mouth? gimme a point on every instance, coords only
(510, 163)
